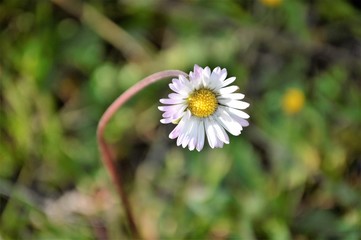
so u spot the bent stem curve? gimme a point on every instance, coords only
(105, 152)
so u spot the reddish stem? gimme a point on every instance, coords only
(105, 152)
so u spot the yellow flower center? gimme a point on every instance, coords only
(202, 103)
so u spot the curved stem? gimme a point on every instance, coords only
(105, 152)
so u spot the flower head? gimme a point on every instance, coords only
(204, 105)
(271, 3)
(293, 101)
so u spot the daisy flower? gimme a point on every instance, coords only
(204, 105)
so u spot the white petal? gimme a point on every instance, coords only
(206, 74)
(223, 74)
(235, 114)
(192, 144)
(227, 90)
(193, 134)
(200, 135)
(228, 81)
(215, 78)
(211, 134)
(234, 96)
(233, 103)
(221, 134)
(240, 120)
(226, 121)
(180, 139)
(239, 113)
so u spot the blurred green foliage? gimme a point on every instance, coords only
(290, 175)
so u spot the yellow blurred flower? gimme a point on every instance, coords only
(293, 101)
(271, 3)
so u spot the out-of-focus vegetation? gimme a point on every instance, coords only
(294, 173)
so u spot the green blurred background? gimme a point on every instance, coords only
(294, 173)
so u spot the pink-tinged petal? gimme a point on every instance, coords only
(166, 115)
(175, 96)
(219, 144)
(166, 120)
(228, 90)
(185, 84)
(172, 86)
(197, 71)
(171, 108)
(175, 133)
(173, 116)
(243, 122)
(171, 101)
(177, 83)
(182, 92)
(179, 128)
(196, 77)
(233, 103)
(177, 116)
(191, 75)
(165, 108)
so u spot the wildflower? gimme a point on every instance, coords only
(271, 3)
(202, 105)
(293, 101)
